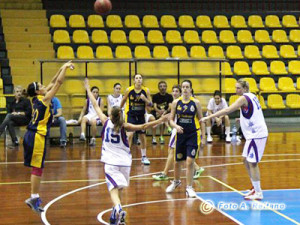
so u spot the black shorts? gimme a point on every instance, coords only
(187, 145)
(137, 120)
(34, 149)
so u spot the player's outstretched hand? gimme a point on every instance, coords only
(86, 84)
(179, 129)
(69, 65)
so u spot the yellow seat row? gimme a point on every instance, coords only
(169, 21)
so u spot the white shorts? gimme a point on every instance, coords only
(116, 176)
(91, 116)
(148, 116)
(172, 141)
(254, 149)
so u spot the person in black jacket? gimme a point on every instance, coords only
(18, 114)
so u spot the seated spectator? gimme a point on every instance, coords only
(89, 115)
(18, 114)
(216, 104)
(114, 99)
(59, 120)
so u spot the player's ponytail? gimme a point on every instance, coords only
(116, 118)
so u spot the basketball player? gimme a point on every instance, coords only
(116, 154)
(91, 116)
(176, 93)
(114, 99)
(255, 131)
(35, 138)
(137, 98)
(187, 111)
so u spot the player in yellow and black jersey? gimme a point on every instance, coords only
(35, 138)
(185, 115)
(137, 98)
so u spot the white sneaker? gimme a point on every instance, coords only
(174, 184)
(82, 137)
(93, 142)
(249, 192)
(255, 196)
(145, 160)
(228, 138)
(190, 193)
(209, 139)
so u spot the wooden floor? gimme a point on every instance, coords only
(68, 170)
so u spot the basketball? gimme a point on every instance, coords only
(102, 6)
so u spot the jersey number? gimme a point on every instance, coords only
(35, 116)
(110, 137)
(257, 103)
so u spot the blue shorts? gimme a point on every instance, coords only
(187, 145)
(137, 120)
(34, 149)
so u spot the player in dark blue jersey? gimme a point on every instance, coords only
(185, 115)
(37, 130)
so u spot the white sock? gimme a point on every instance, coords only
(82, 134)
(118, 208)
(256, 185)
(189, 187)
(35, 196)
(227, 131)
(143, 151)
(208, 129)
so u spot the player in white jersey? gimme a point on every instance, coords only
(216, 104)
(176, 93)
(114, 99)
(91, 116)
(255, 131)
(116, 154)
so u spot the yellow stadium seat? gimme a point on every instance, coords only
(293, 101)
(114, 21)
(287, 51)
(61, 36)
(298, 83)
(85, 52)
(173, 37)
(65, 52)
(161, 52)
(255, 21)
(244, 37)
(252, 84)
(226, 69)
(294, 67)
(269, 52)
(179, 52)
(289, 21)
(275, 101)
(76, 21)
(215, 52)
(278, 68)
(238, 21)
(186, 21)
(234, 52)
(267, 84)
(142, 52)
(104, 52)
(241, 68)
(137, 37)
(279, 36)
(230, 85)
(262, 36)
(150, 21)
(132, 21)
(58, 21)
(260, 68)
(99, 37)
(123, 52)
(191, 37)
(272, 21)
(286, 84)
(198, 52)
(209, 37)
(1, 84)
(168, 21)
(227, 36)
(252, 52)
(155, 37)
(81, 37)
(95, 21)
(73, 86)
(262, 101)
(221, 22)
(295, 35)
(203, 22)
(118, 36)
(298, 50)
(233, 98)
